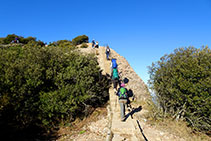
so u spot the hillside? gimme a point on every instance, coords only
(136, 127)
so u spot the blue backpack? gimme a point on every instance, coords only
(114, 64)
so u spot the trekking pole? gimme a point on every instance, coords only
(141, 130)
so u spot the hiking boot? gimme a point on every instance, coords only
(123, 119)
(115, 90)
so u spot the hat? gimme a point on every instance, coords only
(122, 85)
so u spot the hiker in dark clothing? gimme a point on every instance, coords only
(107, 52)
(97, 45)
(123, 99)
(93, 43)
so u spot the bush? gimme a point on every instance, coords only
(84, 45)
(1, 40)
(64, 43)
(80, 39)
(45, 86)
(182, 84)
(26, 40)
(9, 38)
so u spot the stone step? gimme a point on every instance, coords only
(122, 127)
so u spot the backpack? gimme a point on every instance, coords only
(122, 93)
(114, 64)
(115, 74)
(107, 50)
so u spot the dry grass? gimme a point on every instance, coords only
(79, 126)
(168, 125)
(180, 129)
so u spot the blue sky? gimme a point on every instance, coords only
(140, 30)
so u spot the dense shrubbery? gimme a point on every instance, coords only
(44, 86)
(182, 84)
(11, 37)
(80, 39)
(62, 43)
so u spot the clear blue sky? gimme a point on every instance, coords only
(140, 30)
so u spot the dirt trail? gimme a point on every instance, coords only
(119, 130)
(111, 128)
(132, 129)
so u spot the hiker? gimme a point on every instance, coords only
(16, 40)
(113, 65)
(97, 44)
(123, 99)
(115, 78)
(107, 52)
(93, 43)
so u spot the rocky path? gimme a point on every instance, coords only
(135, 128)
(119, 130)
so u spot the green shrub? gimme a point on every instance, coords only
(64, 43)
(1, 40)
(45, 86)
(84, 45)
(26, 40)
(80, 39)
(9, 38)
(182, 84)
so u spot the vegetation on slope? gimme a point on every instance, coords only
(182, 84)
(44, 86)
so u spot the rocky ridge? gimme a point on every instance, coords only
(109, 128)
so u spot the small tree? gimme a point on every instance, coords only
(80, 39)
(182, 84)
(10, 38)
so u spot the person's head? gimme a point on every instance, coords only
(107, 46)
(122, 85)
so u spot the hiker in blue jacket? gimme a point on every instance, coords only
(93, 43)
(123, 98)
(113, 64)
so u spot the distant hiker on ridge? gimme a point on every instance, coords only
(93, 43)
(16, 40)
(107, 52)
(123, 98)
(97, 44)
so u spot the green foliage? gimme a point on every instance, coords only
(83, 131)
(1, 40)
(11, 37)
(80, 39)
(84, 45)
(26, 40)
(45, 86)
(182, 84)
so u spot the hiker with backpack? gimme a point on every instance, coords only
(107, 52)
(114, 74)
(113, 64)
(123, 98)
